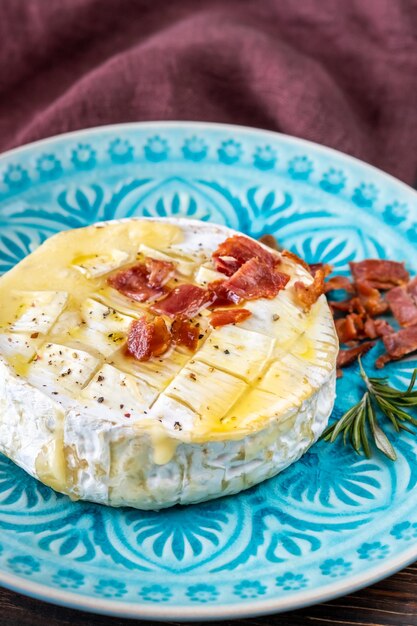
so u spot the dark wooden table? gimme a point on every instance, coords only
(390, 602)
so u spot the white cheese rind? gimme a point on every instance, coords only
(29, 419)
(115, 464)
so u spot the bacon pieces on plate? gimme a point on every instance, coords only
(184, 301)
(403, 303)
(398, 344)
(376, 328)
(371, 299)
(222, 317)
(237, 250)
(148, 338)
(338, 282)
(347, 357)
(255, 279)
(350, 328)
(379, 273)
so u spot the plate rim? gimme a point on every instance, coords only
(236, 610)
(206, 613)
(199, 124)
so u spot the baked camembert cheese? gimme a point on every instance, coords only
(148, 362)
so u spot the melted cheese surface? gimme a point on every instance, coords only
(62, 329)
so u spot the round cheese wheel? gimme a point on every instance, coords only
(122, 383)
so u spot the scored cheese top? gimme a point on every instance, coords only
(63, 329)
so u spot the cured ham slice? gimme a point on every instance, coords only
(184, 301)
(148, 338)
(184, 333)
(144, 281)
(237, 250)
(159, 272)
(222, 317)
(255, 279)
(223, 297)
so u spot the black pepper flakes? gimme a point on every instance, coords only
(100, 378)
(201, 335)
(227, 351)
(100, 399)
(177, 426)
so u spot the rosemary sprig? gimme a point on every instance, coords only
(360, 423)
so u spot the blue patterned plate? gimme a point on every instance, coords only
(331, 523)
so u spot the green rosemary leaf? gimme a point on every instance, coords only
(364, 435)
(381, 440)
(359, 424)
(412, 381)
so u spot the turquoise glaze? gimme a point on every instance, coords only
(329, 524)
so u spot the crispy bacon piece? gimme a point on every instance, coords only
(412, 288)
(184, 333)
(159, 272)
(327, 269)
(350, 328)
(358, 326)
(347, 357)
(376, 328)
(353, 305)
(184, 301)
(403, 303)
(338, 282)
(148, 338)
(371, 299)
(134, 283)
(221, 317)
(237, 250)
(379, 273)
(255, 279)
(398, 345)
(270, 241)
(309, 294)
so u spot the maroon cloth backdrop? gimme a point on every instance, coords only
(339, 72)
